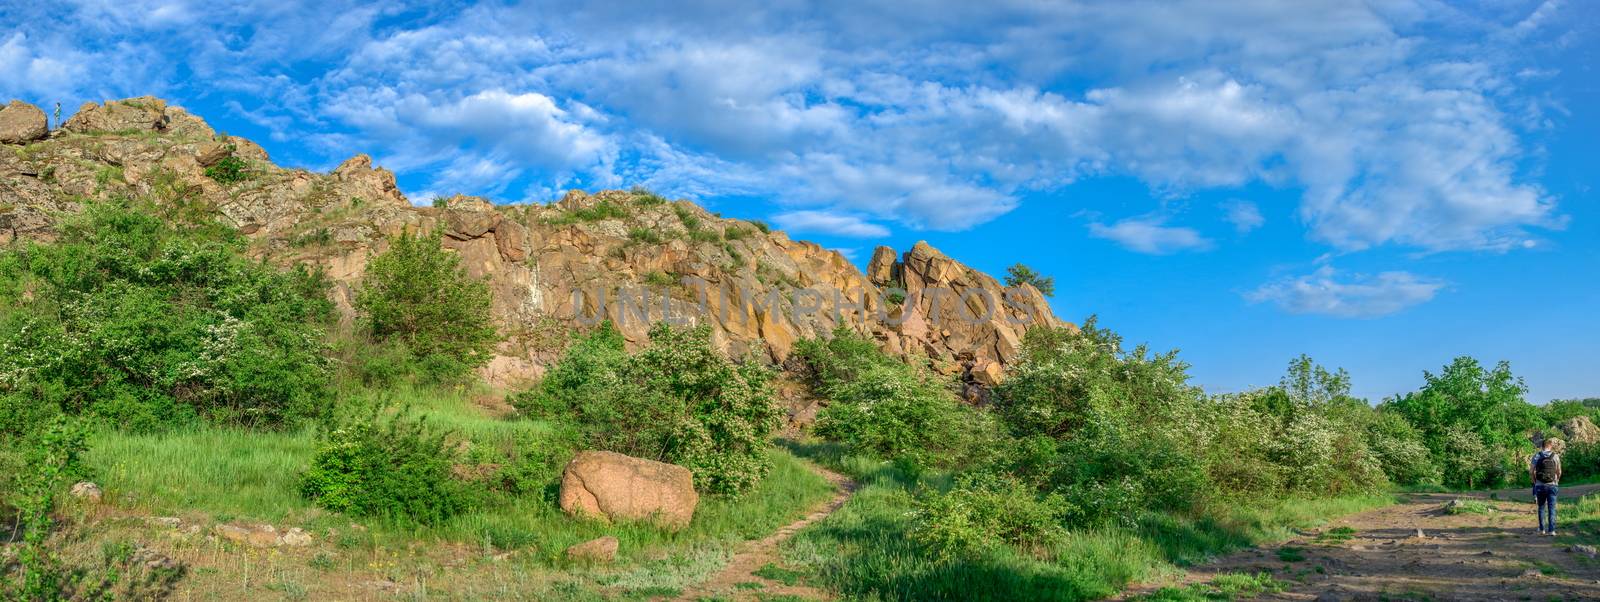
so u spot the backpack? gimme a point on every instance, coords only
(1544, 467)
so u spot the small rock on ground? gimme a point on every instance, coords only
(602, 550)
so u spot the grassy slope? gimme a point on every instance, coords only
(862, 551)
(213, 475)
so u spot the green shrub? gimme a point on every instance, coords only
(1400, 451)
(367, 363)
(881, 405)
(230, 170)
(690, 221)
(644, 197)
(982, 512)
(1129, 431)
(1067, 379)
(147, 324)
(1473, 419)
(762, 226)
(600, 211)
(416, 294)
(47, 458)
(678, 400)
(389, 467)
(660, 279)
(736, 233)
(1019, 274)
(645, 236)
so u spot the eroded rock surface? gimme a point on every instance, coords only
(613, 486)
(628, 257)
(21, 123)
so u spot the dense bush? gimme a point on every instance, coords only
(230, 170)
(678, 400)
(389, 467)
(1473, 420)
(883, 406)
(415, 294)
(983, 511)
(1058, 389)
(1401, 454)
(39, 463)
(1126, 425)
(147, 324)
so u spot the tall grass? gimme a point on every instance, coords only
(227, 474)
(864, 552)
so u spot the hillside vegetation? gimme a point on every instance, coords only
(186, 414)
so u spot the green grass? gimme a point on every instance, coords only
(600, 211)
(1224, 587)
(1470, 507)
(645, 236)
(1579, 521)
(779, 574)
(1336, 535)
(1291, 554)
(863, 552)
(228, 474)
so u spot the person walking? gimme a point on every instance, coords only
(1545, 471)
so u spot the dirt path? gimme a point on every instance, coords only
(1382, 555)
(735, 581)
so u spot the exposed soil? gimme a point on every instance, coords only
(1415, 550)
(737, 580)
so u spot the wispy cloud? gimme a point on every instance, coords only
(1150, 235)
(1328, 292)
(829, 223)
(1399, 125)
(1244, 215)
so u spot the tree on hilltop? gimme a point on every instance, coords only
(1019, 274)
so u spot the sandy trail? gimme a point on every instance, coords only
(756, 554)
(1469, 556)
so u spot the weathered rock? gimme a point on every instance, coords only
(211, 153)
(377, 183)
(87, 491)
(763, 289)
(470, 217)
(295, 537)
(1585, 550)
(21, 123)
(601, 550)
(1580, 431)
(612, 486)
(153, 560)
(259, 536)
(512, 239)
(988, 373)
(881, 269)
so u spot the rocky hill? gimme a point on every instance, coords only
(628, 256)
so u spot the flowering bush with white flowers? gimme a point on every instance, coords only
(146, 324)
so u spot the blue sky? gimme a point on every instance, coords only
(1382, 185)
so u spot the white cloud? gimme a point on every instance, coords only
(1327, 292)
(1150, 235)
(479, 143)
(829, 223)
(1244, 215)
(1396, 119)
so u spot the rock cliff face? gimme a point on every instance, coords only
(630, 257)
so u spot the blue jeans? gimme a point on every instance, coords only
(1545, 494)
